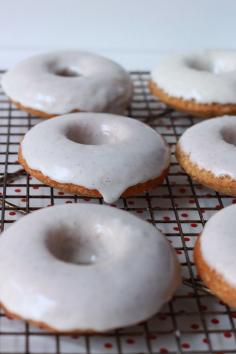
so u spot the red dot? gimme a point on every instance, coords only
(87, 199)
(75, 336)
(178, 251)
(23, 200)
(195, 326)
(166, 218)
(17, 190)
(12, 213)
(233, 314)
(215, 321)
(233, 201)
(182, 190)
(205, 340)
(191, 201)
(185, 345)
(108, 345)
(152, 337)
(176, 228)
(35, 187)
(184, 215)
(228, 334)
(218, 206)
(130, 341)
(203, 307)
(60, 193)
(164, 350)
(186, 239)
(193, 225)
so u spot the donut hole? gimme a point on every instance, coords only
(68, 246)
(199, 65)
(67, 72)
(229, 135)
(216, 67)
(88, 135)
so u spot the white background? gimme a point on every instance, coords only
(134, 32)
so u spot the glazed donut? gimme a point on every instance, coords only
(214, 255)
(62, 82)
(95, 154)
(206, 151)
(81, 269)
(202, 84)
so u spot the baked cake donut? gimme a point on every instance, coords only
(214, 255)
(95, 154)
(62, 82)
(207, 152)
(202, 84)
(78, 268)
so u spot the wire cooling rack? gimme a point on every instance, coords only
(194, 321)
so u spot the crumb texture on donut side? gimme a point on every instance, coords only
(222, 184)
(45, 326)
(35, 112)
(80, 190)
(212, 279)
(204, 110)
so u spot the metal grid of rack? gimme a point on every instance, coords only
(194, 321)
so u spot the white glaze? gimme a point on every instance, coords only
(206, 77)
(123, 268)
(122, 152)
(103, 86)
(211, 145)
(218, 243)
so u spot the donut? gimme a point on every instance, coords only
(57, 83)
(78, 268)
(214, 255)
(95, 154)
(202, 84)
(206, 151)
